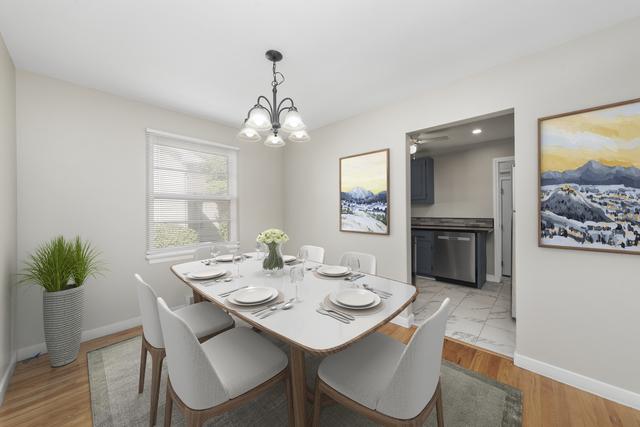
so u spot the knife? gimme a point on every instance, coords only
(226, 294)
(266, 308)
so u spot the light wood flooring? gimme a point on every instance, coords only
(43, 396)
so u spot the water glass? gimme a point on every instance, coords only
(259, 252)
(238, 258)
(297, 277)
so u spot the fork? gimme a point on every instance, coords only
(334, 316)
(338, 312)
(382, 294)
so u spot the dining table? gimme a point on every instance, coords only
(301, 326)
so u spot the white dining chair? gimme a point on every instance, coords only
(204, 319)
(314, 253)
(367, 261)
(202, 253)
(220, 374)
(386, 381)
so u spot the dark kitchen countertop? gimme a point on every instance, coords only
(454, 224)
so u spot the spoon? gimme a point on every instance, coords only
(286, 306)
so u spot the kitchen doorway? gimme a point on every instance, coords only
(462, 227)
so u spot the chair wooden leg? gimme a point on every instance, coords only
(192, 419)
(156, 370)
(287, 386)
(317, 404)
(143, 366)
(168, 407)
(439, 410)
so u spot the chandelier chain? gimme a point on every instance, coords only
(275, 82)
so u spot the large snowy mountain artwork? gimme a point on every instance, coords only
(590, 179)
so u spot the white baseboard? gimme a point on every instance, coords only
(599, 388)
(493, 278)
(101, 331)
(6, 377)
(41, 348)
(406, 321)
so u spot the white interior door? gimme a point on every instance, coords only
(506, 212)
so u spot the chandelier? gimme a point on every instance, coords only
(264, 117)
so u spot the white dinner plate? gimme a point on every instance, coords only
(288, 258)
(253, 295)
(350, 296)
(211, 273)
(225, 258)
(333, 270)
(275, 296)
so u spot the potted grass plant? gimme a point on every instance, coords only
(61, 268)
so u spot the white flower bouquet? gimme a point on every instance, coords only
(273, 238)
(272, 235)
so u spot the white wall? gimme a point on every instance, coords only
(463, 185)
(577, 310)
(82, 170)
(7, 212)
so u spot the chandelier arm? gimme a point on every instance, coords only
(280, 108)
(259, 105)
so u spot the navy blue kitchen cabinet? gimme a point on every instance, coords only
(422, 180)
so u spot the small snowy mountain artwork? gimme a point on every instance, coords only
(364, 186)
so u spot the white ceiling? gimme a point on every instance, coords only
(460, 136)
(341, 57)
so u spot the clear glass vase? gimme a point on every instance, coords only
(273, 262)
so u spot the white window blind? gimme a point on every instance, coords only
(191, 193)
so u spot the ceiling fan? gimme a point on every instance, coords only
(423, 138)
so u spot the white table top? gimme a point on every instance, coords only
(302, 325)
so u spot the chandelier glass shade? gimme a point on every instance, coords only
(266, 115)
(249, 134)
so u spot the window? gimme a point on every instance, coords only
(191, 194)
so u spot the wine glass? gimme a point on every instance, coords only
(352, 262)
(303, 255)
(216, 250)
(258, 251)
(296, 273)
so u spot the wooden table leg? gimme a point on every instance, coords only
(298, 386)
(197, 297)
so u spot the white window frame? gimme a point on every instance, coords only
(158, 137)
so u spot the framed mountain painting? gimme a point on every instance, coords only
(364, 192)
(590, 179)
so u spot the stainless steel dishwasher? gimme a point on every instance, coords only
(455, 256)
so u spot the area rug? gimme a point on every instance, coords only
(469, 399)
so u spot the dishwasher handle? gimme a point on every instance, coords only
(461, 239)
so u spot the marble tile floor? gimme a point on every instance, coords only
(478, 316)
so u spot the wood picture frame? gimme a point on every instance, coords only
(364, 204)
(589, 179)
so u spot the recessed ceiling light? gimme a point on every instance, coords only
(476, 131)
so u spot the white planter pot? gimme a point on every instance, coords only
(62, 312)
